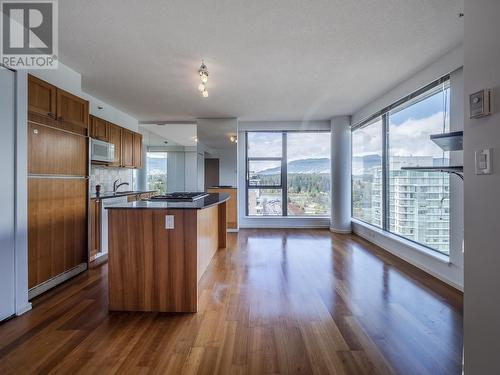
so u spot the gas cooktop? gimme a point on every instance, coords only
(179, 197)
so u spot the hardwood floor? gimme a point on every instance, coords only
(273, 302)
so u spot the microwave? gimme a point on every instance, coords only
(102, 151)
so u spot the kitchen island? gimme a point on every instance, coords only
(159, 250)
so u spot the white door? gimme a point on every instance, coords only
(7, 197)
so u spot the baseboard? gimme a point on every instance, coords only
(23, 309)
(410, 261)
(99, 260)
(49, 284)
(341, 231)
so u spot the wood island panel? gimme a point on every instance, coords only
(152, 268)
(208, 240)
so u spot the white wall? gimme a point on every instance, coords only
(272, 222)
(448, 270)
(482, 204)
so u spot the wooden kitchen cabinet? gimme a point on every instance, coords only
(57, 227)
(95, 228)
(41, 97)
(137, 152)
(127, 148)
(115, 137)
(72, 109)
(48, 151)
(57, 108)
(99, 128)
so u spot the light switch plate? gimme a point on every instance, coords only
(483, 161)
(169, 221)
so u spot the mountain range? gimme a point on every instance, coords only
(321, 165)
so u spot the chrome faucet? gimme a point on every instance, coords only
(116, 185)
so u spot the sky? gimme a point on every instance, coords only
(409, 130)
(300, 145)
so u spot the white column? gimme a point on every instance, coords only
(341, 175)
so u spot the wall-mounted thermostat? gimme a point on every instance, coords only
(483, 161)
(480, 103)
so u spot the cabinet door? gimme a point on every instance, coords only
(137, 150)
(99, 128)
(72, 109)
(115, 137)
(41, 97)
(127, 148)
(57, 227)
(53, 151)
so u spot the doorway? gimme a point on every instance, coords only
(211, 172)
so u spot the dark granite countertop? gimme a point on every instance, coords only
(211, 200)
(110, 194)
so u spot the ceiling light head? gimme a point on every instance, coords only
(204, 79)
(201, 87)
(203, 71)
(205, 93)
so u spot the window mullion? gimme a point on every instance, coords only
(385, 172)
(284, 180)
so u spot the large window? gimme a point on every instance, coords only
(367, 173)
(412, 204)
(288, 173)
(156, 166)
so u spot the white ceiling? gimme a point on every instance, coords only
(174, 134)
(216, 133)
(268, 59)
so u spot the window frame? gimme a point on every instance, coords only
(372, 121)
(384, 115)
(284, 174)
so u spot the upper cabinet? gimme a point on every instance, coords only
(99, 128)
(137, 154)
(41, 97)
(128, 144)
(49, 105)
(127, 148)
(115, 137)
(70, 112)
(72, 109)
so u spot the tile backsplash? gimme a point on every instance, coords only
(105, 176)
